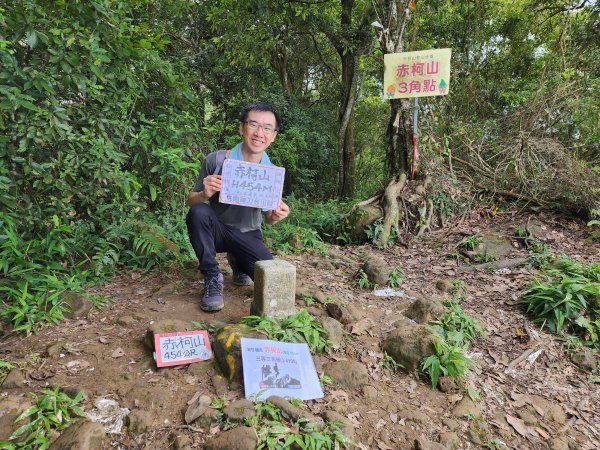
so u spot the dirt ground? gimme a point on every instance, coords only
(539, 403)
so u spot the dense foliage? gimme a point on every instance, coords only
(107, 108)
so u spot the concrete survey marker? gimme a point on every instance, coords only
(274, 289)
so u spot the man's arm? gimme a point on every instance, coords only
(212, 185)
(275, 215)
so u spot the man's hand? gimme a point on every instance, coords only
(212, 185)
(278, 214)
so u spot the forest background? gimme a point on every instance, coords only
(108, 107)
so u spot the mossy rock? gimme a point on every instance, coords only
(228, 351)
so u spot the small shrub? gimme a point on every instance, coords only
(567, 297)
(363, 280)
(53, 410)
(449, 359)
(300, 327)
(397, 277)
(470, 243)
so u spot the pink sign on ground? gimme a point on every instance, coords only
(184, 347)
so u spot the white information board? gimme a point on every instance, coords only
(279, 368)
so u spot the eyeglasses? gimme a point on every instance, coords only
(267, 129)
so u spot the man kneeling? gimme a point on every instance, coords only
(216, 227)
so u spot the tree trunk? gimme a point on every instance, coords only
(398, 133)
(397, 138)
(346, 134)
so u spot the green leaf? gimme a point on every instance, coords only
(32, 39)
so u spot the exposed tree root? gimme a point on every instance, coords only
(391, 208)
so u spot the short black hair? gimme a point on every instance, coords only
(261, 107)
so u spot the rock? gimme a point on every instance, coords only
(14, 380)
(165, 326)
(495, 244)
(424, 444)
(450, 423)
(424, 309)
(288, 409)
(139, 421)
(466, 407)
(558, 443)
(351, 374)
(228, 352)
(83, 435)
(527, 416)
(54, 350)
(76, 305)
(207, 418)
(377, 270)
(323, 265)
(445, 286)
(11, 407)
(198, 369)
(370, 392)
(449, 440)
(584, 359)
(347, 428)
(551, 412)
(335, 331)
(413, 415)
(536, 229)
(447, 384)
(556, 414)
(409, 343)
(239, 438)
(126, 321)
(220, 384)
(239, 410)
(182, 442)
(306, 289)
(339, 313)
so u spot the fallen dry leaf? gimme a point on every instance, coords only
(518, 425)
(196, 408)
(361, 326)
(353, 417)
(339, 395)
(118, 353)
(382, 445)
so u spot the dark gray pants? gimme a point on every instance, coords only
(210, 236)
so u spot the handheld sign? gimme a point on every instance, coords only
(279, 368)
(250, 184)
(184, 347)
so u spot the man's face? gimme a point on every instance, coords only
(257, 140)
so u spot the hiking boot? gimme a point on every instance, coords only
(239, 278)
(212, 297)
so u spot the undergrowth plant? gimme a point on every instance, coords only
(276, 430)
(397, 277)
(454, 332)
(470, 243)
(449, 359)
(300, 327)
(363, 280)
(53, 411)
(567, 297)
